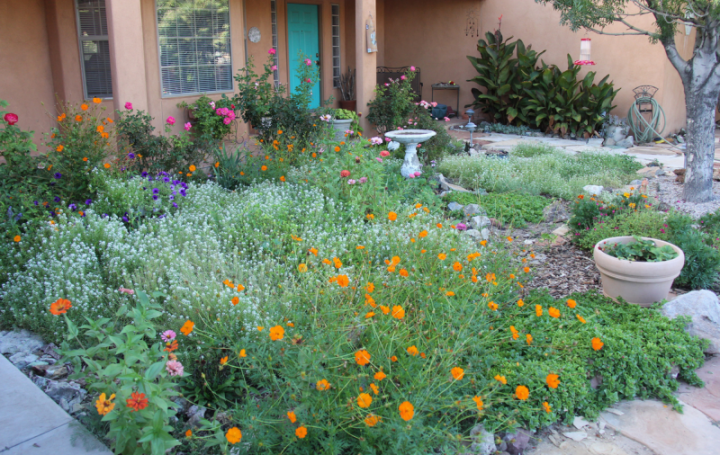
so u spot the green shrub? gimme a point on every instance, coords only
(553, 173)
(516, 209)
(210, 122)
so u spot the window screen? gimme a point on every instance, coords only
(336, 45)
(194, 40)
(94, 48)
(273, 19)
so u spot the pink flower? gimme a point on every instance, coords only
(363, 179)
(11, 118)
(212, 104)
(227, 120)
(447, 119)
(412, 68)
(403, 77)
(419, 145)
(126, 291)
(351, 182)
(170, 120)
(411, 176)
(174, 368)
(168, 336)
(308, 80)
(344, 173)
(231, 115)
(379, 160)
(274, 67)
(272, 52)
(387, 85)
(434, 104)
(308, 62)
(384, 153)
(128, 106)
(418, 174)
(188, 125)
(461, 227)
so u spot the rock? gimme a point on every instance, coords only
(473, 152)
(609, 142)
(22, 359)
(485, 232)
(21, 341)
(39, 368)
(636, 182)
(650, 172)
(483, 441)
(517, 442)
(476, 235)
(66, 394)
(454, 206)
(51, 350)
(555, 440)
(617, 412)
(481, 192)
(627, 142)
(57, 371)
(474, 209)
(555, 212)
(593, 189)
(457, 188)
(575, 435)
(680, 173)
(195, 413)
(703, 307)
(580, 423)
(561, 230)
(479, 222)
(660, 172)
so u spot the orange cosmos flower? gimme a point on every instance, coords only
(493, 306)
(192, 168)
(554, 312)
(78, 118)
(457, 373)
(526, 269)
(187, 327)
(292, 417)
(375, 389)
(529, 339)
(242, 353)
(442, 256)
(413, 351)
(60, 306)
(407, 411)
(581, 319)
(188, 434)
(235, 300)
(301, 432)
(372, 420)
(343, 281)
(85, 158)
(501, 379)
(398, 312)
(263, 168)
(370, 301)
(277, 333)
(380, 376)
(479, 402)
(457, 266)
(552, 381)
(522, 392)
(104, 405)
(571, 303)
(450, 293)
(538, 310)
(369, 314)
(84, 107)
(137, 401)
(362, 357)
(392, 216)
(515, 333)
(107, 165)
(509, 239)
(172, 346)
(597, 344)
(302, 268)
(337, 148)
(385, 309)
(359, 247)
(260, 328)
(393, 358)
(404, 273)
(364, 400)
(60, 148)
(314, 251)
(546, 406)
(520, 303)
(439, 226)
(423, 234)
(581, 197)
(322, 385)
(233, 435)
(337, 263)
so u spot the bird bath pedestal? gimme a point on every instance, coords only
(411, 139)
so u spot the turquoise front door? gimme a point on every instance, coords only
(303, 37)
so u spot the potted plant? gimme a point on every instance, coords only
(347, 90)
(345, 120)
(641, 270)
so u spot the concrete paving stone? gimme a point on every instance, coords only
(25, 410)
(583, 148)
(69, 439)
(705, 399)
(665, 431)
(645, 150)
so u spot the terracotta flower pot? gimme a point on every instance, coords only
(642, 283)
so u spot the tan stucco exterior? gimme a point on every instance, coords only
(430, 34)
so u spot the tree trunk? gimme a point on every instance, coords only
(700, 153)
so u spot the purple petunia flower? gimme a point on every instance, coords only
(144, 174)
(35, 202)
(171, 197)
(57, 199)
(57, 175)
(182, 192)
(156, 191)
(88, 201)
(155, 197)
(166, 179)
(72, 207)
(131, 155)
(125, 219)
(175, 204)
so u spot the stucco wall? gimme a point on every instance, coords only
(26, 78)
(432, 35)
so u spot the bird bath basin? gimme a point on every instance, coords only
(411, 138)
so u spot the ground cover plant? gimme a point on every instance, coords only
(546, 171)
(516, 209)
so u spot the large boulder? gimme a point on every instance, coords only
(703, 307)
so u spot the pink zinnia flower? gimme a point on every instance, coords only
(170, 120)
(411, 176)
(188, 125)
(387, 139)
(418, 174)
(344, 173)
(272, 52)
(174, 368)
(351, 182)
(379, 160)
(384, 153)
(126, 291)
(363, 179)
(128, 106)
(168, 335)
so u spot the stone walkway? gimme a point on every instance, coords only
(649, 427)
(33, 424)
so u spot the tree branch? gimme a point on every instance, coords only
(681, 65)
(600, 32)
(632, 27)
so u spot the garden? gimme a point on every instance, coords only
(301, 296)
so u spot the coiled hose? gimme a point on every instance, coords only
(645, 131)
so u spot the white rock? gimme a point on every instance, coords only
(561, 230)
(579, 422)
(575, 435)
(593, 189)
(703, 307)
(479, 222)
(454, 206)
(617, 412)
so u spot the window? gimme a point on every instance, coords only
(273, 17)
(94, 48)
(194, 40)
(336, 45)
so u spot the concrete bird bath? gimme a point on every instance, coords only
(411, 138)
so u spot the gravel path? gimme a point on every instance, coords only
(669, 192)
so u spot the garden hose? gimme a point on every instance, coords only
(645, 131)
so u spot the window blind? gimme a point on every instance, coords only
(336, 45)
(94, 48)
(194, 41)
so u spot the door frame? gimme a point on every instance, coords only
(319, 4)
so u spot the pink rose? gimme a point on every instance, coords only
(174, 368)
(274, 67)
(384, 153)
(403, 77)
(231, 115)
(272, 52)
(308, 62)
(412, 68)
(188, 125)
(11, 118)
(128, 106)
(227, 120)
(308, 80)
(170, 120)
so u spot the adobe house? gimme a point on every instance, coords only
(157, 53)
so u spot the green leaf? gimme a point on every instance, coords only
(154, 370)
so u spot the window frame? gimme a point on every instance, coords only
(160, 66)
(336, 81)
(81, 38)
